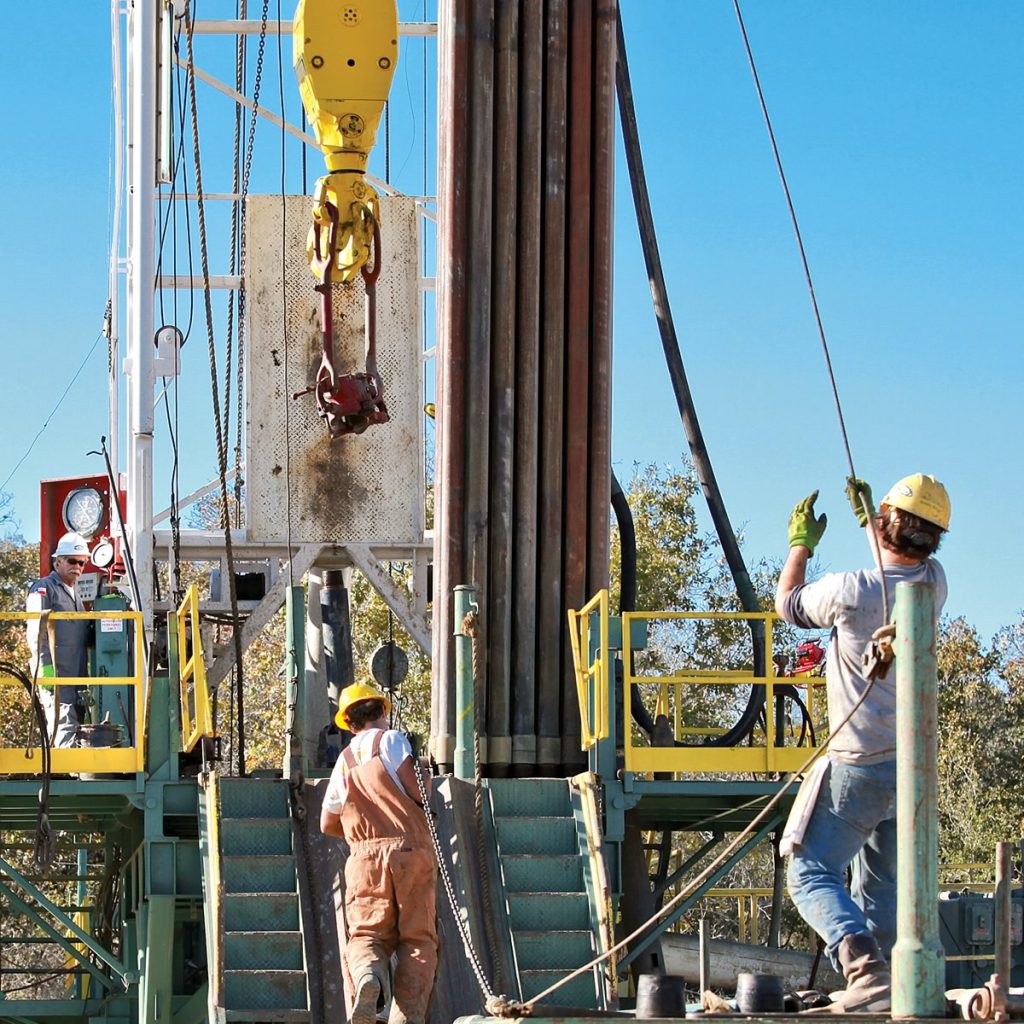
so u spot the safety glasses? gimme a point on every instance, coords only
(78, 561)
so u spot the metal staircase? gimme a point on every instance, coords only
(542, 873)
(252, 903)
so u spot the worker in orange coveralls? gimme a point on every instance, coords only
(373, 801)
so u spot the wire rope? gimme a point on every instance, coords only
(872, 534)
(212, 351)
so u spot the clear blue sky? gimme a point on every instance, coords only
(902, 132)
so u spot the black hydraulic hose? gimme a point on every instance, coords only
(684, 399)
(627, 587)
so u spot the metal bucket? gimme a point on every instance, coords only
(759, 993)
(101, 734)
(660, 995)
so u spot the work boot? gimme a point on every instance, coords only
(368, 995)
(868, 981)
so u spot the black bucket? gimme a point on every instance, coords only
(660, 995)
(759, 993)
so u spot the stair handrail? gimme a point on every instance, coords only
(196, 713)
(213, 890)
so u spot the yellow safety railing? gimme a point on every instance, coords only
(765, 751)
(196, 715)
(591, 671)
(22, 760)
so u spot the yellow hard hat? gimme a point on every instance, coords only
(353, 695)
(921, 495)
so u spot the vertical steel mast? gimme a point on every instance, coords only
(141, 92)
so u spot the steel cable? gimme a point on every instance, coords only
(872, 534)
(221, 441)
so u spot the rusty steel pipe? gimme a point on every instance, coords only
(503, 393)
(452, 284)
(527, 397)
(550, 603)
(577, 355)
(602, 237)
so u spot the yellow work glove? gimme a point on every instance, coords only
(855, 487)
(804, 527)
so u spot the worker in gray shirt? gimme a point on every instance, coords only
(849, 803)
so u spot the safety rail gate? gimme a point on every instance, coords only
(27, 758)
(196, 714)
(596, 637)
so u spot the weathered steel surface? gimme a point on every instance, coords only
(452, 273)
(918, 964)
(359, 488)
(524, 357)
(550, 604)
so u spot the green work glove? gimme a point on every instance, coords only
(856, 487)
(804, 527)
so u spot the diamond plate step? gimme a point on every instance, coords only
(536, 872)
(258, 874)
(253, 798)
(581, 991)
(544, 911)
(553, 950)
(263, 911)
(265, 990)
(530, 798)
(259, 836)
(536, 835)
(252, 951)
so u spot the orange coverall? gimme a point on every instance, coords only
(390, 886)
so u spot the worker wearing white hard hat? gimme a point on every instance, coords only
(845, 812)
(62, 649)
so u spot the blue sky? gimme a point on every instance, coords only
(902, 132)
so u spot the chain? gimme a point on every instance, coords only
(221, 440)
(257, 83)
(453, 902)
(471, 627)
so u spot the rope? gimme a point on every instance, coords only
(221, 443)
(872, 535)
(760, 817)
(471, 627)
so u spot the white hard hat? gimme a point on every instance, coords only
(71, 544)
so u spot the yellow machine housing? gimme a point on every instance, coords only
(344, 55)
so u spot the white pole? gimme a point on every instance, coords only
(142, 26)
(114, 285)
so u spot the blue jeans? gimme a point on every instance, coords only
(853, 823)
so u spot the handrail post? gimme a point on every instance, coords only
(465, 711)
(918, 963)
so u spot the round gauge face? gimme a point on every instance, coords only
(83, 511)
(389, 665)
(103, 554)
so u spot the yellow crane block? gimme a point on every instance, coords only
(344, 55)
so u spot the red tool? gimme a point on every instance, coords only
(353, 402)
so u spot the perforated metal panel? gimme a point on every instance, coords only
(358, 488)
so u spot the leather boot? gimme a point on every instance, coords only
(868, 982)
(371, 995)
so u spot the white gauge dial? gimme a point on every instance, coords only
(103, 554)
(83, 511)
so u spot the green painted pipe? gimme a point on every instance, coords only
(464, 603)
(918, 962)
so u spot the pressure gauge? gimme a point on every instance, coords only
(83, 511)
(389, 665)
(103, 554)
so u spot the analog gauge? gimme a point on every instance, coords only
(103, 554)
(83, 511)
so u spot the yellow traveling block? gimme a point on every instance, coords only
(344, 56)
